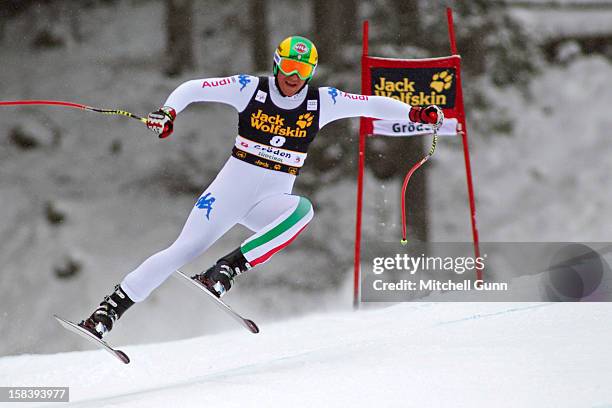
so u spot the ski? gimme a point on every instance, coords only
(246, 323)
(75, 328)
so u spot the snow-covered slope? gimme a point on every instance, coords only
(409, 355)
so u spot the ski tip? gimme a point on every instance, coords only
(123, 357)
(252, 326)
(60, 320)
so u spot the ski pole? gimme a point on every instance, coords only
(414, 168)
(76, 106)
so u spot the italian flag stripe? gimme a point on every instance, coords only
(271, 252)
(279, 235)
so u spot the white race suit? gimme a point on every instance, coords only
(254, 186)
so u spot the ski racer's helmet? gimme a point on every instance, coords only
(296, 55)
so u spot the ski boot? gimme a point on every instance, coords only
(112, 308)
(218, 278)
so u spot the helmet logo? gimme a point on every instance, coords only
(300, 48)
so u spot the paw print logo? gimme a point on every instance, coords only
(441, 81)
(304, 120)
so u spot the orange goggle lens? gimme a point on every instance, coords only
(290, 67)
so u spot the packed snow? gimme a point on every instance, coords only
(409, 355)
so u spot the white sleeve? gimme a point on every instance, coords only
(336, 104)
(235, 90)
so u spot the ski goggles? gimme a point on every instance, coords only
(289, 67)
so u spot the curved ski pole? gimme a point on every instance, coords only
(76, 106)
(414, 168)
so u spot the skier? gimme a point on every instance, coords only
(279, 116)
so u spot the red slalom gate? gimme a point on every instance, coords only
(442, 79)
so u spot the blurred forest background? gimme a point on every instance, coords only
(86, 198)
